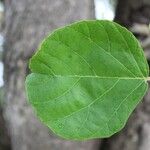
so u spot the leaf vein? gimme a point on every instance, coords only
(103, 50)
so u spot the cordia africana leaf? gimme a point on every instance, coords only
(86, 79)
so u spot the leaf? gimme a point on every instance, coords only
(86, 79)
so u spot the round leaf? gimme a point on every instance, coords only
(86, 79)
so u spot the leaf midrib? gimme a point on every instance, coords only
(89, 76)
(101, 77)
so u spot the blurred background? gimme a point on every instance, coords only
(23, 24)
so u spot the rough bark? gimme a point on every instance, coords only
(136, 135)
(26, 23)
(4, 138)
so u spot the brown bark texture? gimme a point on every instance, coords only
(135, 15)
(26, 23)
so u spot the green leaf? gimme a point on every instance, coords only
(86, 79)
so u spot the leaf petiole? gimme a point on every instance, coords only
(148, 78)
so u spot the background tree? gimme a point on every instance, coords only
(26, 23)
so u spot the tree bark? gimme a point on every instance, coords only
(26, 23)
(129, 12)
(4, 138)
(135, 15)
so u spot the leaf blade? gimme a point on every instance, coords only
(76, 72)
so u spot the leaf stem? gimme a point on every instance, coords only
(148, 79)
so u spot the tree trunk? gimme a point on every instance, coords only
(4, 138)
(26, 23)
(134, 14)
